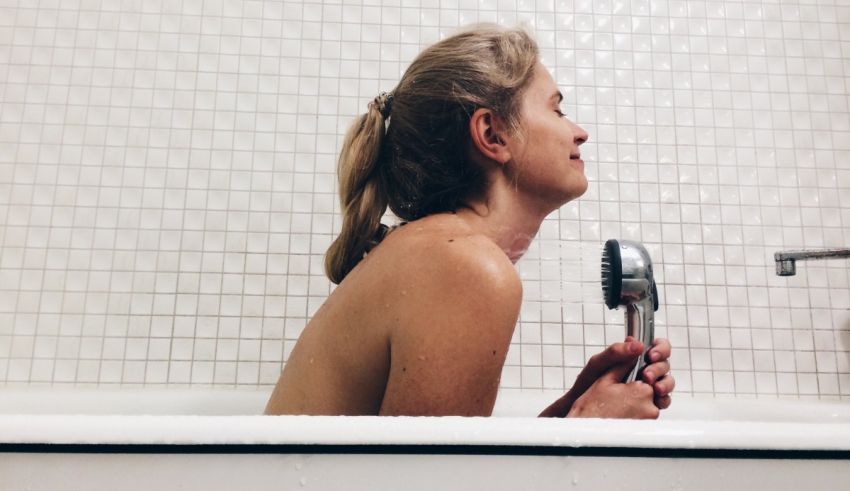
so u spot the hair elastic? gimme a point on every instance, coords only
(383, 103)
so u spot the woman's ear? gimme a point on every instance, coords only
(489, 135)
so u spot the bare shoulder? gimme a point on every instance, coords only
(445, 261)
(455, 310)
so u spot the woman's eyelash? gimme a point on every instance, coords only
(560, 113)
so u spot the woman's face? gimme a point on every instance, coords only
(545, 152)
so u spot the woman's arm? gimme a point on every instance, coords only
(448, 351)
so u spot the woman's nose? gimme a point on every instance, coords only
(579, 134)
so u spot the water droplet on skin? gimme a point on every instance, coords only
(403, 293)
(422, 357)
(311, 360)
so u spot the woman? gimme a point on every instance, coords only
(473, 151)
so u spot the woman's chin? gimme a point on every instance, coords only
(577, 188)
(570, 194)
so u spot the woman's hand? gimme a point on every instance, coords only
(599, 391)
(609, 397)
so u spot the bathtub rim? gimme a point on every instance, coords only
(273, 433)
(151, 418)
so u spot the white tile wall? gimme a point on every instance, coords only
(167, 184)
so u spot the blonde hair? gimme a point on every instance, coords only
(410, 150)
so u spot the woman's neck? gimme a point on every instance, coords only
(511, 222)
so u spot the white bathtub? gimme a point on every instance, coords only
(211, 440)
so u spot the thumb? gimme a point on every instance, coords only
(614, 355)
(617, 373)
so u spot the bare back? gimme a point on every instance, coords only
(381, 328)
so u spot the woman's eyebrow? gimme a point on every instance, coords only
(557, 94)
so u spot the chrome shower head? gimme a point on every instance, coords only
(627, 274)
(627, 280)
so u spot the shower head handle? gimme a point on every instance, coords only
(640, 324)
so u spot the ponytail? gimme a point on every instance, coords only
(361, 189)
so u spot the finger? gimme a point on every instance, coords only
(653, 412)
(598, 364)
(617, 373)
(664, 386)
(615, 354)
(660, 350)
(653, 372)
(663, 402)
